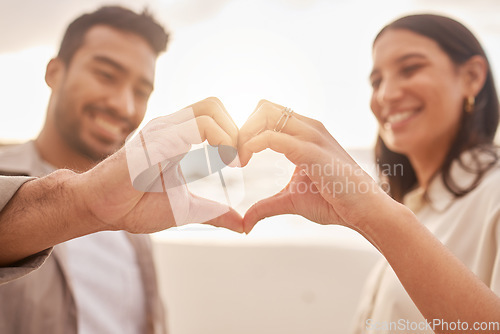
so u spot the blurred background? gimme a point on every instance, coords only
(311, 55)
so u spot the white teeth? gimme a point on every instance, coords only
(107, 126)
(399, 117)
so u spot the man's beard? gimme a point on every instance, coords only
(69, 128)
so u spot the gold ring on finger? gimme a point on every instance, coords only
(286, 113)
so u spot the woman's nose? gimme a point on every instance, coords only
(388, 91)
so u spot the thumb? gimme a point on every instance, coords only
(202, 210)
(231, 220)
(278, 204)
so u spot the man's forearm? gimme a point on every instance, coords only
(43, 213)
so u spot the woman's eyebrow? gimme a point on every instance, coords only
(401, 59)
(410, 55)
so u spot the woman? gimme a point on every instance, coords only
(437, 108)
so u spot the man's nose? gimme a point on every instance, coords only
(122, 101)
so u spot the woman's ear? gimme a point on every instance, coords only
(474, 73)
(54, 72)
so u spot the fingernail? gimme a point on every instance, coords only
(229, 155)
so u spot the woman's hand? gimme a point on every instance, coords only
(300, 196)
(339, 192)
(327, 186)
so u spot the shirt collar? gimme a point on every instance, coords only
(24, 158)
(438, 196)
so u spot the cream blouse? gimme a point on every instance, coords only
(469, 226)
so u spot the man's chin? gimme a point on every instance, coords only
(98, 151)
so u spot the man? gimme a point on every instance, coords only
(104, 282)
(99, 282)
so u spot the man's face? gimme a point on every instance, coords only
(102, 94)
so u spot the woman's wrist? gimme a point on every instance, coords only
(381, 218)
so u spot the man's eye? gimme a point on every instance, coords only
(142, 93)
(105, 75)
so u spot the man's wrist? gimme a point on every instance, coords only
(77, 188)
(44, 212)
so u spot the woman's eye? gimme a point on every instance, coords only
(407, 70)
(375, 83)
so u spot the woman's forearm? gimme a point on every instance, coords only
(440, 285)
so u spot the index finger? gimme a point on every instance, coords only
(214, 108)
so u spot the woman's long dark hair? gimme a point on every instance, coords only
(477, 128)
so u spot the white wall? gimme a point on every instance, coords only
(252, 285)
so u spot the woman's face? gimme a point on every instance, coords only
(417, 93)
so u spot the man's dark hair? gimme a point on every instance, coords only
(117, 17)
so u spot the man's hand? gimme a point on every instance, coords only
(141, 188)
(65, 205)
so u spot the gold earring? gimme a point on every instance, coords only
(469, 104)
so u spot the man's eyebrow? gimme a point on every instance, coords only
(110, 62)
(400, 60)
(119, 67)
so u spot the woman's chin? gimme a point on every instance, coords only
(401, 145)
